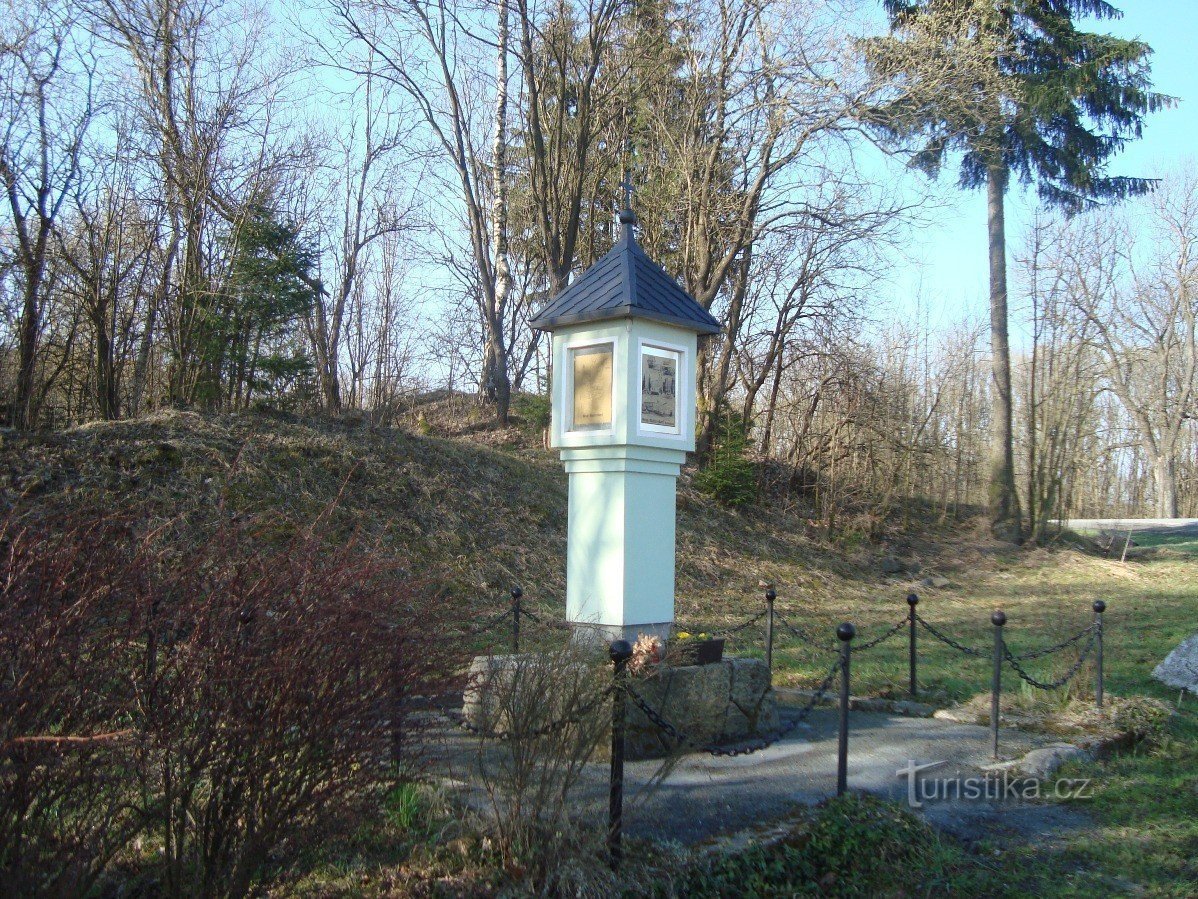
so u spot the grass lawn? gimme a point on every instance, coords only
(1178, 544)
(1145, 803)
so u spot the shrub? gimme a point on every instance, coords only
(530, 770)
(216, 701)
(729, 475)
(534, 408)
(853, 846)
(65, 697)
(280, 690)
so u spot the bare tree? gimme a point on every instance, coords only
(45, 110)
(1142, 303)
(428, 50)
(206, 105)
(1060, 380)
(370, 208)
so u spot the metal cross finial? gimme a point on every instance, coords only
(627, 216)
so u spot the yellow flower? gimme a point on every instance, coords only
(683, 635)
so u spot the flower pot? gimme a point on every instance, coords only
(697, 652)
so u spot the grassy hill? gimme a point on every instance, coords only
(471, 514)
(474, 512)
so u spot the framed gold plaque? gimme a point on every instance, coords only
(592, 383)
(659, 389)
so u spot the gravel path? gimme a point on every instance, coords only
(705, 797)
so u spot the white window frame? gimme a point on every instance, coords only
(568, 395)
(681, 398)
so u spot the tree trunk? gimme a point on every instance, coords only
(325, 346)
(1004, 498)
(107, 400)
(500, 378)
(1165, 470)
(27, 352)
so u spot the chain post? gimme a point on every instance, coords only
(912, 602)
(517, 595)
(998, 619)
(1099, 686)
(620, 652)
(770, 596)
(845, 633)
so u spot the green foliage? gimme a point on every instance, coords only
(535, 408)
(253, 343)
(406, 807)
(1062, 101)
(1145, 718)
(730, 476)
(855, 846)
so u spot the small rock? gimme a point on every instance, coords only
(1045, 761)
(955, 716)
(1180, 667)
(891, 565)
(912, 709)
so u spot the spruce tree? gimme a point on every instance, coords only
(1016, 88)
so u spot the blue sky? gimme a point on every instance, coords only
(945, 273)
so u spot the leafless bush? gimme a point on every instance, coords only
(217, 705)
(64, 732)
(278, 688)
(530, 768)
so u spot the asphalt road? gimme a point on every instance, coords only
(1156, 527)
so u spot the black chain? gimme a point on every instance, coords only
(1059, 682)
(553, 727)
(658, 720)
(945, 638)
(882, 639)
(505, 615)
(1064, 644)
(803, 636)
(744, 624)
(551, 625)
(730, 632)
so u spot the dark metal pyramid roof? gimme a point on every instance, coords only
(625, 283)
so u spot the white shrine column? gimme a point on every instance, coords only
(623, 416)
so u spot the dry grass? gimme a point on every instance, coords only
(484, 508)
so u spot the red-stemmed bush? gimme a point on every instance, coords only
(65, 701)
(215, 698)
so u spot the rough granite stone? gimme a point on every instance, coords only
(724, 702)
(1180, 667)
(720, 703)
(1044, 762)
(488, 700)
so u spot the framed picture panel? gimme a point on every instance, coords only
(661, 370)
(591, 382)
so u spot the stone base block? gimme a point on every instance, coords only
(724, 702)
(602, 635)
(529, 690)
